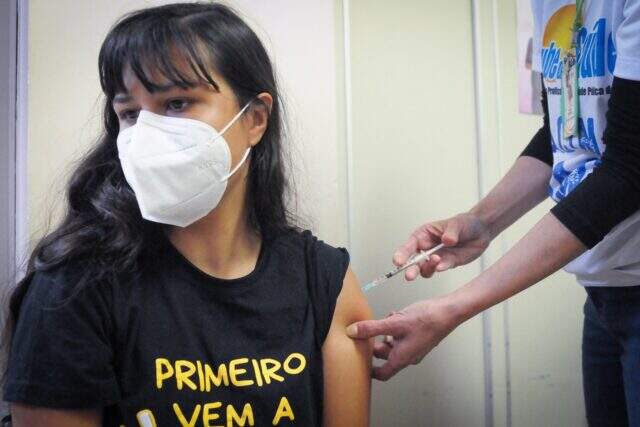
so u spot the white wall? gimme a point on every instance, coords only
(414, 159)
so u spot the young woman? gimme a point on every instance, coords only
(176, 291)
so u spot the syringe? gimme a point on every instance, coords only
(413, 261)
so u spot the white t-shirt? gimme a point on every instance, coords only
(608, 45)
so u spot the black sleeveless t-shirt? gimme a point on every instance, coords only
(177, 347)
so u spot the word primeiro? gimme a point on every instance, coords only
(242, 372)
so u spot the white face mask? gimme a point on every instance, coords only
(177, 167)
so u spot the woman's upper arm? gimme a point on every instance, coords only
(33, 416)
(347, 362)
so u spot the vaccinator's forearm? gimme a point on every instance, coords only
(545, 249)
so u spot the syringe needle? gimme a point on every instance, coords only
(367, 287)
(413, 261)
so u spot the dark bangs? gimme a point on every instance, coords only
(157, 48)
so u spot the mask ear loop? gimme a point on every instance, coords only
(232, 121)
(246, 153)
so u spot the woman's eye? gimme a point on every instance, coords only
(129, 115)
(177, 105)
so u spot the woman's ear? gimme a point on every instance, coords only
(258, 117)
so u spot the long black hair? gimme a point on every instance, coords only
(102, 230)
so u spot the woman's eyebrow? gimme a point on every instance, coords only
(166, 88)
(122, 98)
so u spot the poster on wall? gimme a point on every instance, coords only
(529, 83)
